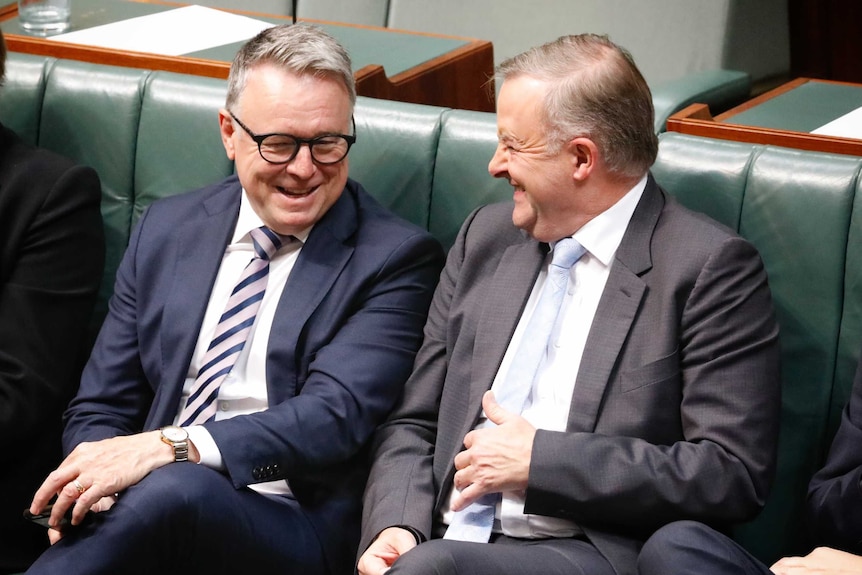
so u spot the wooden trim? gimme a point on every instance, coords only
(457, 79)
(695, 120)
(9, 11)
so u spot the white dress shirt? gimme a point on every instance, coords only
(548, 404)
(243, 391)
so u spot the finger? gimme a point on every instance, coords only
(52, 485)
(103, 504)
(462, 479)
(372, 564)
(462, 499)
(66, 498)
(54, 536)
(462, 460)
(91, 497)
(493, 410)
(469, 439)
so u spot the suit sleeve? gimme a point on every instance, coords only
(47, 294)
(835, 492)
(707, 410)
(400, 489)
(115, 395)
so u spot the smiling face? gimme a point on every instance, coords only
(542, 176)
(288, 197)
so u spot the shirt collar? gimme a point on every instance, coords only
(249, 220)
(601, 236)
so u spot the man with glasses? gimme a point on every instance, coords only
(260, 329)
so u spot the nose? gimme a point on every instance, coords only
(302, 165)
(498, 163)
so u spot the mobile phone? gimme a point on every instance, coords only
(43, 517)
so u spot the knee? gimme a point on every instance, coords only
(669, 545)
(430, 558)
(177, 489)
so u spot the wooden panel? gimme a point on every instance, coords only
(696, 120)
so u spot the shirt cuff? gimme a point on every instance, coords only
(206, 446)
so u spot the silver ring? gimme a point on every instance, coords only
(81, 489)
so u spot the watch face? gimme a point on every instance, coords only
(175, 433)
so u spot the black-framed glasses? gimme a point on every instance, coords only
(282, 148)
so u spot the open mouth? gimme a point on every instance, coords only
(296, 193)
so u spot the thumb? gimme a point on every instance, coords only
(494, 411)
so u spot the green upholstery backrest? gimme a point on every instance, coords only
(796, 208)
(179, 146)
(461, 180)
(21, 94)
(396, 146)
(91, 114)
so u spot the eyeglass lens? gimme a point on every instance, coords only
(279, 148)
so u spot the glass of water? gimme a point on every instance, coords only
(44, 17)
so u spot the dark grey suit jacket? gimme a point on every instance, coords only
(835, 492)
(675, 408)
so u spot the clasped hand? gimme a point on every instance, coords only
(496, 458)
(90, 476)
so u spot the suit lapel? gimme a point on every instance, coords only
(617, 310)
(322, 259)
(195, 270)
(512, 282)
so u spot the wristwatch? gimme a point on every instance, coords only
(178, 438)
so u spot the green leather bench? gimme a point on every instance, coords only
(153, 134)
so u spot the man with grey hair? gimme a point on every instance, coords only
(598, 361)
(260, 329)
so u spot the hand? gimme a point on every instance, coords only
(101, 505)
(97, 470)
(497, 458)
(391, 544)
(822, 560)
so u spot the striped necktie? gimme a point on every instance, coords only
(476, 521)
(232, 330)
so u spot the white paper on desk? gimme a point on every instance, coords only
(170, 33)
(847, 126)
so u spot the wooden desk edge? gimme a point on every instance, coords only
(695, 120)
(469, 66)
(125, 58)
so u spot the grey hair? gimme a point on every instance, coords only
(298, 48)
(596, 91)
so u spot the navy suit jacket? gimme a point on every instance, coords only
(342, 343)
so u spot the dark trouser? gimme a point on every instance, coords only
(505, 556)
(187, 519)
(688, 547)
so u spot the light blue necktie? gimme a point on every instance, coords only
(475, 522)
(232, 330)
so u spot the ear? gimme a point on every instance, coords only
(584, 154)
(227, 129)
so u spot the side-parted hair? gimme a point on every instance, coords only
(597, 92)
(298, 48)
